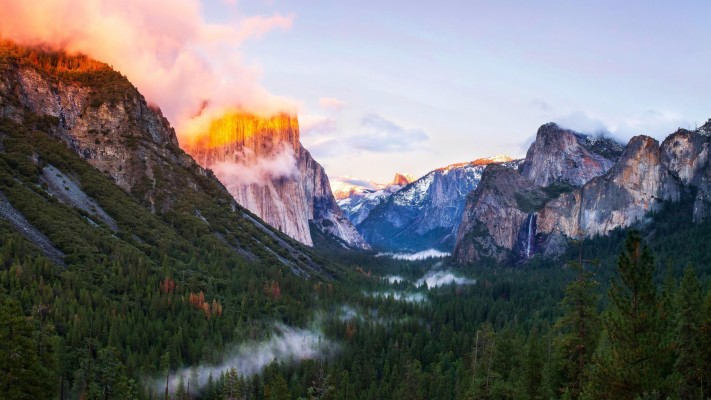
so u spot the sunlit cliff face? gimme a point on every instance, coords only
(245, 149)
(241, 136)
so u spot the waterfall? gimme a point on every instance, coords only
(531, 234)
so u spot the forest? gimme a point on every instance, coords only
(161, 308)
(539, 331)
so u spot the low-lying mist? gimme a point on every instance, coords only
(399, 296)
(421, 255)
(442, 278)
(287, 344)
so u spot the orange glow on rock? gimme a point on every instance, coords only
(234, 132)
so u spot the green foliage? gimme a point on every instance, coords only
(580, 329)
(556, 189)
(27, 354)
(169, 291)
(634, 328)
(689, 364)
(530, 201)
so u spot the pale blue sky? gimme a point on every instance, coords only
(425, 84)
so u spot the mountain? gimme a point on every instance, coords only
(77, 136)
(358, 202)
(263, 165)
(574, 186)
(566, 157)
(426, 213)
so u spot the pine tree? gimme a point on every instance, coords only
(26, 368)
(705, 350)
(277, 389)
(633, 367)
(580, 330)
(232, 388)
(689, 364)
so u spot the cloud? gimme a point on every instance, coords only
(581, 122)
(653, 123)
(349, 182)
(381, 135)
(541, 105)
(176, 59)
(441, 278)
(312, 125)
(254, 171)
(331, 104)
(286, 344)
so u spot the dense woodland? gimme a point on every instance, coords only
(608, 320)
(626, 316)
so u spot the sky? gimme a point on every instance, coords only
(410, 86)
(399, 86)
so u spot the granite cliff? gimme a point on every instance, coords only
(51, 97)
(575, 186)
(262, 163)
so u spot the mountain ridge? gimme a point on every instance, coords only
(569, 202)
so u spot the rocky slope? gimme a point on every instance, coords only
(645, 175)
(103, 119)
(426, 213)
(563, 156)
(262, 163)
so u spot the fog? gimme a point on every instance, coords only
(421, 255)
(399, 296)
(251, 170)
(441, 278)
(394, 279)
(287, 344)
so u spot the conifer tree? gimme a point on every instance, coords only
(26, 367)
(633, 367)
(580, 330)
(689, 365)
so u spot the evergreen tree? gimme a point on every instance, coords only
(689, 364)
(26, 365)
(277, 389)
(580, 330)
(633, 367)
(232, 387)
(705, 346)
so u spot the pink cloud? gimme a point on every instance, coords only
(176, 59)
(331, 104)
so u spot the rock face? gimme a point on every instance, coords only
(402, 179)
(426, 213)
(634, 186)
(99, 115)
(563, 156)
(262, 163)
(595, 202)
(494, 215)
(103, 119)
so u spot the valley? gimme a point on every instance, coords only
(148, 258)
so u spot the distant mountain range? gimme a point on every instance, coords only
(424, 214)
